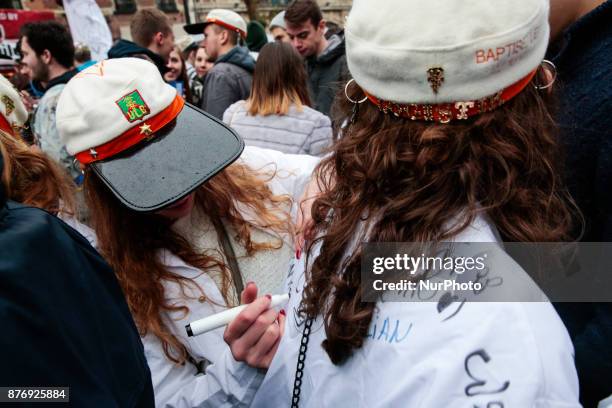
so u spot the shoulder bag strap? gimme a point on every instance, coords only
(230, 255)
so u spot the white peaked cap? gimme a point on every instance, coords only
(137, 135)
(477, 47)
(89, 111)
(229, 19)
(11, 107)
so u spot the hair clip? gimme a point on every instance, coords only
(552, 69)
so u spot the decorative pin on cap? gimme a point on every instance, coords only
(435, 77)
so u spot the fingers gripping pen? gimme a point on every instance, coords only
(224, 318)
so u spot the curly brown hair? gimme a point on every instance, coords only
(426, 182)
(32, 178)
(130, 241)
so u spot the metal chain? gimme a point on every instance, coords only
(299, 370)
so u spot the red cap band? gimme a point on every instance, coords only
(144, 130)
(223, 24)
(446, 112)
(6, 126)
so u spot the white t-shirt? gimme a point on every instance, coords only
(487, 355)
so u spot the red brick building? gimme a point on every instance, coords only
(119, 12)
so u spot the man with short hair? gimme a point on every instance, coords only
(581, 49)
(278, 29)
(48, 53)
(325, 59)
(229, 80)
(152, 37)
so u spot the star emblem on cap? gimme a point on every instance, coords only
(145, 129)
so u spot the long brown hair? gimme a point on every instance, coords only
(183, 77)
(30, 177)
(131, 241)
(409, 181)
(279, 80)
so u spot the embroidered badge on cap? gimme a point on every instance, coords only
(133, 106)
(9, 104)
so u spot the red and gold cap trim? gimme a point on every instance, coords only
(447, 112)
(145, 130)
(223, 24)
(6, 126)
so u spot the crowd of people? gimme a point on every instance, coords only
(179, 178)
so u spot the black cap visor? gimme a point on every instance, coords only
(196, 28)
(178, 159)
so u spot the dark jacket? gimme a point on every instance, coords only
(62, 79)
(124, 48)
(326, 74)
(229, 81)
(64, 319)
(583, 57)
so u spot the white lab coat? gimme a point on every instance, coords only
(488, 355)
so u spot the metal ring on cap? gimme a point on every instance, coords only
(365, 98)
(76, 165)
(553, 69)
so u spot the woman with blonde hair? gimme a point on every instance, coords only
(184, 226)
(278, 115)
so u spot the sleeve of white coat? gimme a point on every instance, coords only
(227, 383)
(293, 171)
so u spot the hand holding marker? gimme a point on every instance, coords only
(224, 318)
